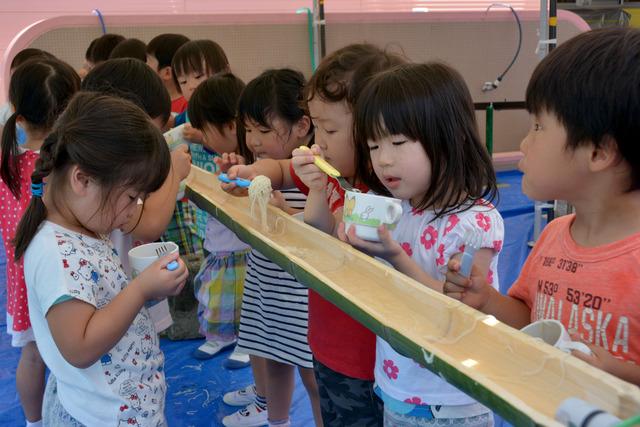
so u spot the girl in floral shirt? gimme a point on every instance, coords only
(417, 140)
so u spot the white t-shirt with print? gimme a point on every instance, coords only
(126, 386)
(431, 244)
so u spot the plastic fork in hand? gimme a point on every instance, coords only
(240, 182)
(325, 167)
(162, 250)
(472, 242)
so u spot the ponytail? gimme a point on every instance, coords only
(9, 157)
(36, 211)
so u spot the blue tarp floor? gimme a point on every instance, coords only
(195, 388)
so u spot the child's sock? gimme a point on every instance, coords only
(34, 423)
(261, 402)
(280, 423)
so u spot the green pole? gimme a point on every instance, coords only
(489, 129)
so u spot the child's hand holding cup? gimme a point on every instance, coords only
(554, 333)
(141, 260)
(366, 212)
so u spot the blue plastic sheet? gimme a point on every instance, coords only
(195, 388)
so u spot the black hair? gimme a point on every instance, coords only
(199, 56)
(28, 54)
(215, 102)
(130, 48)
(102, 47)
(133, 80)
(591, 83)
(95, 133)
(164, 47)
(431, 105)
(274, 93)
(39, 92)
(342, 74)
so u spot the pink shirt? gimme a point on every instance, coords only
(11, 210)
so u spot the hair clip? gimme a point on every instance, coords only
(36, 189)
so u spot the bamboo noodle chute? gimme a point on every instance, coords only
(508, 371)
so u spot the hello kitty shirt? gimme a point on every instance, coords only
(431, 243)
(126, 387)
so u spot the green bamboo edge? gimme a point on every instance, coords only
(398, 341)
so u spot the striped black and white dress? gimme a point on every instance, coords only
(273, 322)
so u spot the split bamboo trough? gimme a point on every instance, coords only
(513, 374)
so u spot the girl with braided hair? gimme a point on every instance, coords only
(39, 90)
(91, 326)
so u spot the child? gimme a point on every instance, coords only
(91, 327)
(343, 350)
(273, 326)
(6, 110)
(130, 48)
(160, 52)
(417, 140)
(582, 147)
(219, 283)
(39, 91)
(100, 49)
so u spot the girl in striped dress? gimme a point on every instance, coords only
(273, 323)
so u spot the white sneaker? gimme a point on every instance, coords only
(211, 348)
(243, 397)
(237, 360)
(250, 416)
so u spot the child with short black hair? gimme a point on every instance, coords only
(584, 101)
(130, 48)
(219, 282)
(160, 52)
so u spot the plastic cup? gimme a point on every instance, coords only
(142, 257)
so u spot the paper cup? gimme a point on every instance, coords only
(142, 257)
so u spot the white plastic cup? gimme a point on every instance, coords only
(142, 257)
(554, 333)
(366, 212)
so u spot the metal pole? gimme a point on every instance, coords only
(553, 23)
(489, 128)
(543, 30)
(321, 24)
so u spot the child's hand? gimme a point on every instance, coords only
(277, 200)
(307, 171)
(238, 171)
(156, 282)
(181, 161)
(473, 291)
(192, 134)
(387, 248)
(226, 160)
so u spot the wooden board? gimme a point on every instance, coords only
(513, 374)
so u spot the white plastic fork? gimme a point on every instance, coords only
(472, 240)
(160, 251)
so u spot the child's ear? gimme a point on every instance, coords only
(166, 73)
(604, 156)
(302, 126)
(79, 181)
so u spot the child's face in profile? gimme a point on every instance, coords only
(189, 82)
(275, 142)
(333, 123)
(551, 170)
(220, 140)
